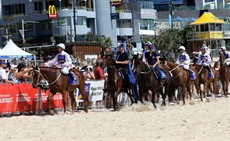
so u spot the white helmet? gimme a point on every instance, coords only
(61, 45)
(223, 48)
(182, 47)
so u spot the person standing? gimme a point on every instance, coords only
(98, 72)
(3, 76)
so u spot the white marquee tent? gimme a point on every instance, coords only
(11, 50)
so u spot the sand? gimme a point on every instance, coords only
(197, 121)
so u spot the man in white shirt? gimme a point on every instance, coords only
(184, 61)
(62, 60)
(226, 55)
(205, 60)
(3, 76)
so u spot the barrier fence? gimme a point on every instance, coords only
(23, 98)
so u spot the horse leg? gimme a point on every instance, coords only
(64, 99)
(184, 91)
(73, 102)
(49, 106)
(153, 99)
(163, 97)
(84, 96)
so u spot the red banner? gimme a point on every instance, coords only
(24, 98)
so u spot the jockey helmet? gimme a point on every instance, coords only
(203, 48)
(149, 45)
(182, 48)
(223, 47)
(61, 45)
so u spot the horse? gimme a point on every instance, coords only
(58, 83)
(115, 83)
(224, 74)
(203, 79)
(147, 80)
(181, 79)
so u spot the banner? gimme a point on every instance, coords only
(24, 98)
(93, 89)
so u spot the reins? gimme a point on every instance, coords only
(40, 74)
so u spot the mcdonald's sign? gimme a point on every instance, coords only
(52, 12)
(116, 2)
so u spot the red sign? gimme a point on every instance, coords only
(24, 98)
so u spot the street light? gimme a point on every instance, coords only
(23, 29)
(60, 4)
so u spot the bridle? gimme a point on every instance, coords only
(42, 77)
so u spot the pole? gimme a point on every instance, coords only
(60, 4)
(171, 13)
(74, 21)
(23, 33)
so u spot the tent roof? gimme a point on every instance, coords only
(207, 17)
(12, 49)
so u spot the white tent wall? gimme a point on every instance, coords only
(12, 50)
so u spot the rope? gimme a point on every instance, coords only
(200, 69)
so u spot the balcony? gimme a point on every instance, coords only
(205, 35)
(148, 14)
(124, 31)
(124, 14)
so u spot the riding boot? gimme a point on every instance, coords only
(72, 75)
(210, 73)
(160, 81)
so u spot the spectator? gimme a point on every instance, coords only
(3, 76)
(98, 72)
(21, 74)
(78, 61)
(87, 71)
(45, 63)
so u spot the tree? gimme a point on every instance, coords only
(169, 40)
(105, 41)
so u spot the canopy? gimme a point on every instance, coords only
(12, 50)
(4, 55)
(207, 17)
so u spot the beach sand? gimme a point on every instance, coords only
(195, 121)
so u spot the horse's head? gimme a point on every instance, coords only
(36, 77)
(221, 58)
(109, 61)
(138, 65)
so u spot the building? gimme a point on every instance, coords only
(27, 21)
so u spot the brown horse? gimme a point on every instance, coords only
(181, 79)
(58, 83)
(147, 80)
(115, 83)
(203, 79)
(224, 72)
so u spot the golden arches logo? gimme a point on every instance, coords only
(52, 12)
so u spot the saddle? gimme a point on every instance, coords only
(161, 73)
(192, 74)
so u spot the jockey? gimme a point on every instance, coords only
(152, 60)
(226, 55)
(122, 61)
(205, 60)
(184, 60)
(62, 60)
